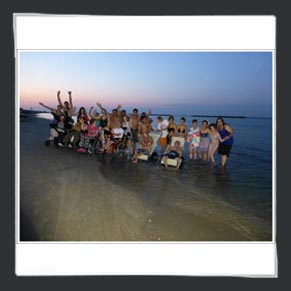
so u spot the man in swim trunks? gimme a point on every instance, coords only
(134, 122)
(163, 128)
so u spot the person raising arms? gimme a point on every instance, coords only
(55, 112)
(68, 109)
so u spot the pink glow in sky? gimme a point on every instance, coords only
(214, 82)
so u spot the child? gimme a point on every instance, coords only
(194, 139)
(214, 141)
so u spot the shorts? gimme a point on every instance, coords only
(163, 141)
(134, 135)
(106, 132)
(172, 155)
(224, 149)
(142, 151)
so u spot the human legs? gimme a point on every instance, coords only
(224, 151)
(53, 134)
(67, 138)
(163, 142)
(212, 149)
(223, 160)
(76, 138)
(179, 161)
(191, 149)
(165, 159)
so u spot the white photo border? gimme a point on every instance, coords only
(44, 32)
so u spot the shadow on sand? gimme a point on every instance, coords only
(27, 230)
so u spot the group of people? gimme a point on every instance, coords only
(110, 128)
(203, 141)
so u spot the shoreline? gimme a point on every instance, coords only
(67, 197)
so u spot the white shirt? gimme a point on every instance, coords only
(163, 126)
(118, 132)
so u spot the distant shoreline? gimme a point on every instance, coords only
(24, 111)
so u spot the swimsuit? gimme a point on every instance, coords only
(103, 122)
(194, 137)
(183, 131)
(173, 154)
(224, 148)
(134, 135)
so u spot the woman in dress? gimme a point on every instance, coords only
(204, 140)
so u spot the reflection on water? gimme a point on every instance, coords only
(197, 188)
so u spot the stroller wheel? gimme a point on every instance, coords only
(47, 142)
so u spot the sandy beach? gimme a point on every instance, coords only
(69, 197)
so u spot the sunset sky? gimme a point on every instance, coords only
(215, 83)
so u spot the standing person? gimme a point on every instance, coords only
(214, 141)
(143, 126)
(182, 129)
(68, 109)
(172, 129)
(163, 128)
(204, 140)
(104, 124)
(194, 139)
(125, 125)
(122, 114)
(226, 134)
(134, 123)
(147, 120)
(114, 117)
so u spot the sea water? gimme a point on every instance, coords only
(245, 184)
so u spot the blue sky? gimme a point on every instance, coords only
(215, 83)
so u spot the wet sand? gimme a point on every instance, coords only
(66, 197)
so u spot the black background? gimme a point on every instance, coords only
(283, 193)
